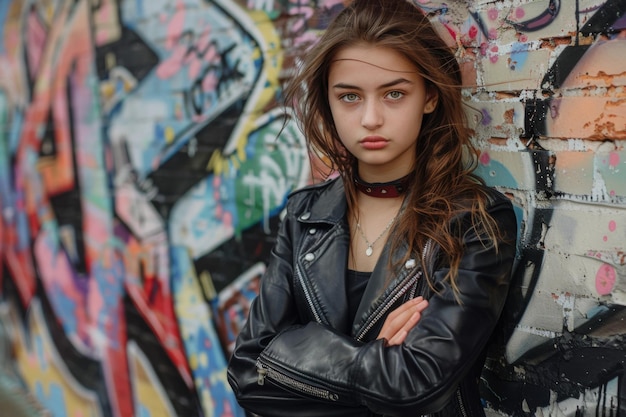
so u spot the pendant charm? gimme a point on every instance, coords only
(369, 251)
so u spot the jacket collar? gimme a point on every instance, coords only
(331, 206)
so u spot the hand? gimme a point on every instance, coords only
(401, 320)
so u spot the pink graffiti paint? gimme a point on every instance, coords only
(174, 28)
(492, 13)
(605, 279)
(210, 82)
(493, 56)
(228, 410)
(485, 159)
(519, 13)
(227, 219)
(612, 226)
(613, 159)
(169, 67)
(202, 44)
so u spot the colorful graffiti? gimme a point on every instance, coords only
(145, 158)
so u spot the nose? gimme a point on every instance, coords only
(372, 116)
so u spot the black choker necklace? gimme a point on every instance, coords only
(389, 189)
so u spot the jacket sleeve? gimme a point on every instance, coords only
(417, 377)
(272, 312)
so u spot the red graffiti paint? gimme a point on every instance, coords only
(473, 32)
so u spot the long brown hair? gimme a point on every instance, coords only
(443, 184)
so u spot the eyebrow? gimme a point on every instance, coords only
(386, 85)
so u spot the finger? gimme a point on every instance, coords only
(400, 336)
(397, 339)
(421, 306)
(397, 320)
(393, 324)
(406, 307)
(399, 317)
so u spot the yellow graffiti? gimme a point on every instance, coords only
(40, 364)
(195, 318)
(149, 393)
(272, 63)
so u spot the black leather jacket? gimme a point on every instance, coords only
(300, 355)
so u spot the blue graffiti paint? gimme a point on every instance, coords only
(496, 174)
(4, 11)
(519, 56)
(54, 402)
(201, 336)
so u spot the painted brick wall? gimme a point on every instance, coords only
(141, 184)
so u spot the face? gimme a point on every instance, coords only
(377, 100)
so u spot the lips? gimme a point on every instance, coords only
(374, 142)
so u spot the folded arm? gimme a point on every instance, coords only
(328, 373)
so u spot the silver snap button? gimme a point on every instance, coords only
(312, 231)
(410, 264)
(309, 257)
(305, 216)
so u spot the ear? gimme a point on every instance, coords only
(432, 98)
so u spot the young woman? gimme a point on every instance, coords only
(386, 282)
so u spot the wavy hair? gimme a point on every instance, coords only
(443, 183)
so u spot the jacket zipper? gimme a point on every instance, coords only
(459, 397)
(427, 247)
(308, 296)
(385, 306)
(265, 371)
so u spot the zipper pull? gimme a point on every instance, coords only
(262, 373)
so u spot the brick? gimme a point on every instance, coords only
(496, 118)
(513, 170)
(573, 172)
(513, 71)
(577, 227)
(611, 168)
(535, 21)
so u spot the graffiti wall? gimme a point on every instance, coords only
(142, 177)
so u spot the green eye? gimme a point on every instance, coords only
(349, 98)
(395, 95)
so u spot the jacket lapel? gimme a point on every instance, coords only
(323, 255)
(328, 261)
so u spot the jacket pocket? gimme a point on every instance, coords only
(293, 383)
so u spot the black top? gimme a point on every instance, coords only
(355, 286)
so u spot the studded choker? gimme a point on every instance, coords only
(389, 189)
